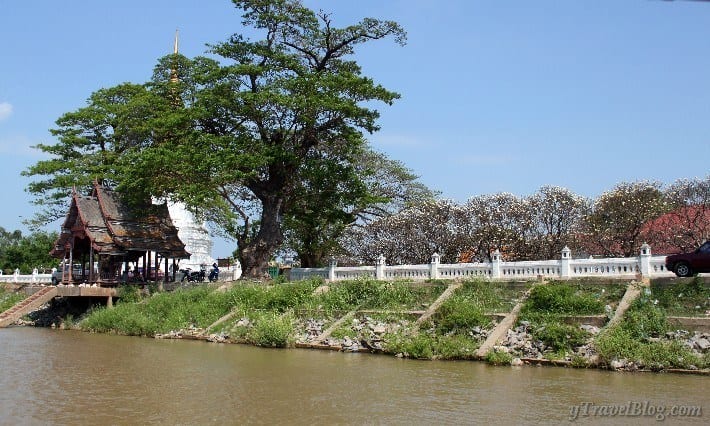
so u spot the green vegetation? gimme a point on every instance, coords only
(492, 297)
(428, 346)
(26, 252)
(564, 299)
(560, 337)
(373, 294)
(636, 339)
(470, 305)
(687, 297)
(160, 313)
(459, 315)
(8, 298)
(548, 304)
(276, 315)
(271, 330)
(496, 357)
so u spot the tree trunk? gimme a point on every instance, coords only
(256, 254)
(311, 260)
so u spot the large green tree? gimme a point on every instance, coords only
(339, 194)
(265, 120)
(92, 143)
(234, 139)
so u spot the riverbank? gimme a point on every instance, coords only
(559, 323)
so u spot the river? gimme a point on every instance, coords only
(74, 378)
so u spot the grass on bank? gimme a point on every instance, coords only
(272, 319)
(548, 304)
(431, 346)
(449, 333)
(638, 339)
(9, 298)
(159, 313)
(686, 297)
(471, 305)
(201, 306)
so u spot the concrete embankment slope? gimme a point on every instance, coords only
(27, 305)
(633, 291)
(502, 328)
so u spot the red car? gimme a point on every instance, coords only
(687, 264)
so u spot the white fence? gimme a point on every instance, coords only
(225, 274)
(33, 278)
(645, 265)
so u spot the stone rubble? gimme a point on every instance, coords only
(366, 333)
(520, 342)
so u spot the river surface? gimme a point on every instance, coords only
(74, 378)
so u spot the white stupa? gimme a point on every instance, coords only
(195, 236)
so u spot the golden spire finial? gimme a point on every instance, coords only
(174, 72)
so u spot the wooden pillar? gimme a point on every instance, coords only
(71, 260)
(157, 266)
(91, 262)
(145, 265)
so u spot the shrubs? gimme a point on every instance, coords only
(497, 357)
(460, 315)
(272, 330)
(636, 340)
(163, 312)
(644, 319)
(548, 304)
(266, 318)
(560, 337)
(563, 298)
(427, 346)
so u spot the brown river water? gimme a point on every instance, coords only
(74, 378)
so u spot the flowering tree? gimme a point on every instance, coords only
(408, 237)
(614, 225)
(687, 225)
(498, 221)
(555, 214)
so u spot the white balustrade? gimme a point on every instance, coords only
(563, 268)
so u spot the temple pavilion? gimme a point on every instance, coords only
(123, 241)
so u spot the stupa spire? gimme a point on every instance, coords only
(173, 71)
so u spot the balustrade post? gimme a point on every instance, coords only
(645, 260)
(495, 264)
(565, 267)
(331, 269)
(17, 274)
(434, 266)
(380, 268)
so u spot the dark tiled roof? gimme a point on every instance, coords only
(115, 228)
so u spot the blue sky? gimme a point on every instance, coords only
(496, 96)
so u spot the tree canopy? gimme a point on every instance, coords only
(242, 140)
